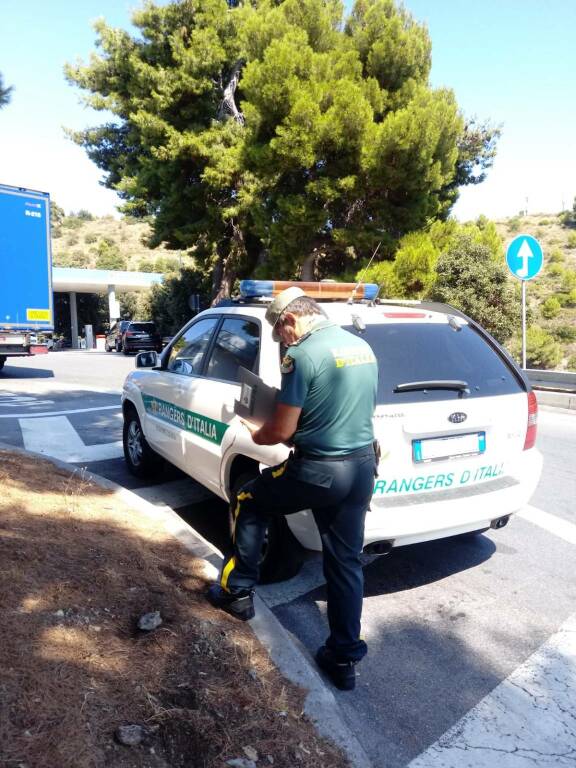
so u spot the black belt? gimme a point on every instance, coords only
(367, 450)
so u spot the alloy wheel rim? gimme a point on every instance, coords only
(135, 443)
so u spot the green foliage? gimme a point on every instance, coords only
(514, 224)
(469, 279)
(572, 363)
(72, 240)
(550, 308)
(57, 215)
(146, 265)
(4, 93)
(340, 142)
(166, 265)
(564, 332)
(556, 257)
(554, 270)
(168, 302)
(541, 349)
(569, 279)
(83, 215)
(71, 222)
(543, 222)
(109, 256)
(571, 240)
(90, 238)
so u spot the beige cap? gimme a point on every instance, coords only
(279, 304)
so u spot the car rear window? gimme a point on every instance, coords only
(148, 327)
(425, 352)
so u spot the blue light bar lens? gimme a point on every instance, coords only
(251, 288)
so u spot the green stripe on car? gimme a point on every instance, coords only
(206, 428)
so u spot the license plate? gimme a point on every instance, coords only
(436, 448)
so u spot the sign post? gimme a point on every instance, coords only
(524, 258)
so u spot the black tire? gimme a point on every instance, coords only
(142, 461)
(2, 361)
(125, 351)
(117, 346)
(282, 553)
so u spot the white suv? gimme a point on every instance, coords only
(455, 419)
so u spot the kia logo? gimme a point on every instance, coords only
(457, 418)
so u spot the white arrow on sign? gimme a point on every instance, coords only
(524, 253)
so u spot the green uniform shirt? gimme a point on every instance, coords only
(333, 376)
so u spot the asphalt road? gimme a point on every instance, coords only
(448, 623)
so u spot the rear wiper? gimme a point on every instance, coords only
(414, 386)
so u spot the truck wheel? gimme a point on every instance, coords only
(124, 350)
(142, 461)
(282, 553)
(2, 361)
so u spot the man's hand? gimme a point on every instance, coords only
(279, 428)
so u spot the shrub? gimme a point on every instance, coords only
(72, 240)
(572, 240)
(90, 238)
(556, 257)
(543, 222)
(564, 332)
(514, 224)
(572, 363)
(551, 307)
(71, 222)
(146, 265)
(541, 349)
(569, 280)
(554, 270)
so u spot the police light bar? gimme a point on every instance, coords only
(250, 289)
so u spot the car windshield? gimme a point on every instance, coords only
(147, 327)
(439, 361)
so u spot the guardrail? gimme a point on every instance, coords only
(557, 380)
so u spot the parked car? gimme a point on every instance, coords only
(113, 339)
(455, 418)
(133, 336)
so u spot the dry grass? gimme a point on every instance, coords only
(77, 570)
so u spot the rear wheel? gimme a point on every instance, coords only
(125, 350)
(2, 361)
(142, 461)
(282, 554)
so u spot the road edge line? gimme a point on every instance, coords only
(320, 707)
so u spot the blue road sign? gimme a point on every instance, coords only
(524, 257)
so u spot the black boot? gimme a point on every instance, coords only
(341, 673)
(239, 603)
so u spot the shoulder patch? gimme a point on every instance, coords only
(287, 364)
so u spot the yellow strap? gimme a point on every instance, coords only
(228, 568)
(241, 497)
(280, 471)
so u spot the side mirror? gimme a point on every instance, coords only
(147, 359)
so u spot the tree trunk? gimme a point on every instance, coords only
(228, 105)
(307, 274)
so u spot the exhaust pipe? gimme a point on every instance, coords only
(378, 548)
(500, 522)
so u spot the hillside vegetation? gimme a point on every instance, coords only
(81, 240)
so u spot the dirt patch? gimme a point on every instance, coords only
(77, 570)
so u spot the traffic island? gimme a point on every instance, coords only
(111, 655)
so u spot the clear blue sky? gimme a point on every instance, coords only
(510, 61)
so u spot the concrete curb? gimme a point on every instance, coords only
(293, 662)
(556, 399)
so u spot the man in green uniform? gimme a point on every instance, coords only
(324, 409)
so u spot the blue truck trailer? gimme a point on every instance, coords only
(26, 299)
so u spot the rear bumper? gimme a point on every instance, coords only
(418, 517)
(427, 516)
(138, 346)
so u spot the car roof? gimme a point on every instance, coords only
(387, 311)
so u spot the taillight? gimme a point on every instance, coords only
(129, 333)
(532, 425)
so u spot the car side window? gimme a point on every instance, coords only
(187, 352)
(237, 344)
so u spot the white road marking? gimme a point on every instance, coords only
(174, 494)
(10, 400)
(58, 413)
(556, 525)
(55, 436)
(528, 720)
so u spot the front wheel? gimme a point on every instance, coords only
(142, 461)
(282, 554)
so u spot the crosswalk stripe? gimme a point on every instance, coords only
(174, 494)
(32, 415)
(526, 721)
(552, 523)
(56, 437)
